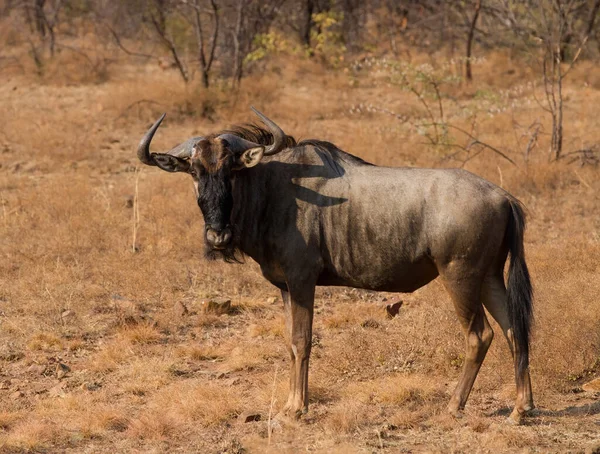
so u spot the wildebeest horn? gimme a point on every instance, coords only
(143, 150)
(183, 150)
(278, 134)
(237, 144)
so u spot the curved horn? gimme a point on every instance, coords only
(237, 144)
(143, 151)
(279, 136)
(183, 150)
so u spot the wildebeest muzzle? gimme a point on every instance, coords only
(218, 238)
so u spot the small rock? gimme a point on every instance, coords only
(122, 304)
(62, 370)
(90, 386)
(393, 309)
(231, 382)
(249, 417)
(592, 386)
(370, 323)
(217, 306)
(10, 355)
(272, 300)
(39, 388)
(117, 424)
(180, 309)
(57, 390)
(16, 395)
(67, 315)
(37, 369)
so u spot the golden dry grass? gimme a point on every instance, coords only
(144, 378)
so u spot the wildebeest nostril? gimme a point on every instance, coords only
(212, 236)
(218, 238)
(226, 236)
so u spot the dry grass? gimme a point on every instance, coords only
(144, 378)
(182, 407)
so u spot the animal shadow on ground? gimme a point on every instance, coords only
(536, 415)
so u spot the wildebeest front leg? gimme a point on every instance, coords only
(285, 295)
(298, 304)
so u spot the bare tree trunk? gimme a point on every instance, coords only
(52, 40)
(566, 32)
(159, 25)
(352, 23)
(45, 22)
(51, 25)
(39, 64)
(206, 62)
(40, 22)
(200, 44)
(161, 7)
(237, 36)
(394, 10)
(213, 41)
(557, 127)
(592, 19)
(468, 71)
(28, 19)
(307, 22)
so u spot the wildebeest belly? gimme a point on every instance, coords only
(396, 276)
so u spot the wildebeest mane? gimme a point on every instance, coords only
(258, 134)
(331, 150)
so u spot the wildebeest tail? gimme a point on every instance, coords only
(519, 289)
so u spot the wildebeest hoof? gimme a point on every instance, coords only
(515, 418)
(297, 414)
(517, 415)
(283, 419)
(456, 413)
(293, 412)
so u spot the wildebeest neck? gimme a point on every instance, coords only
(271, 200)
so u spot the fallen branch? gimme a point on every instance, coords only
(584, 156)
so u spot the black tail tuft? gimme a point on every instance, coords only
(519, 289)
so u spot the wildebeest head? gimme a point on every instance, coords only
(212, 161)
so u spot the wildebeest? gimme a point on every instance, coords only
(311, 214)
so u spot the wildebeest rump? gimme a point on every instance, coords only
(311, 214)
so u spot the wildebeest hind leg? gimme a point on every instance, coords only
(298, 307)
(494, 298)
(478, 335)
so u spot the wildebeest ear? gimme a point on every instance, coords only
(171, 163)
(251, 157)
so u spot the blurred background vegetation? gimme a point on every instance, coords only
(219, 42)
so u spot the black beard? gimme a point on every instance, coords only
(230, 254)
